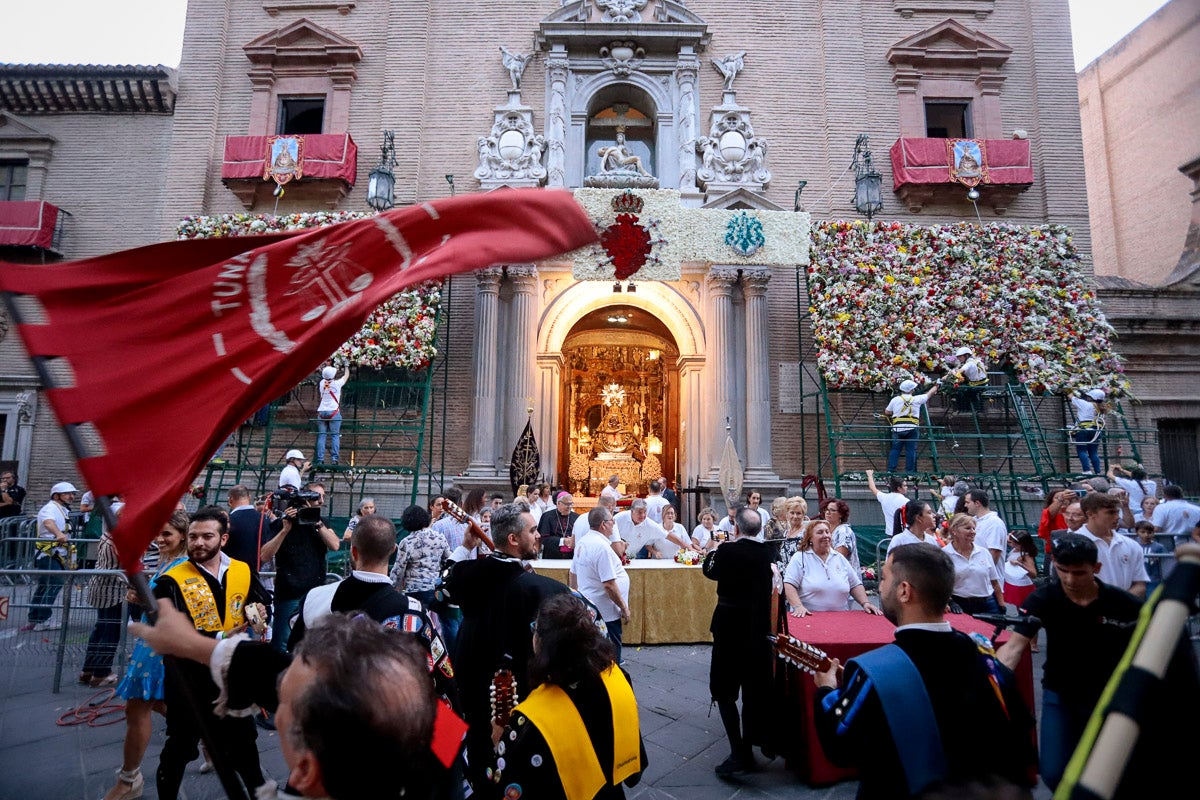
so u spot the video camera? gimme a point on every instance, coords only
(284, 498)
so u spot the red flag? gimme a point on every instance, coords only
(173, 345)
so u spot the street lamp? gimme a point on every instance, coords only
(868, 184)
(381, 185)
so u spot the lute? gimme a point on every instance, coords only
(801, 655)
(503, 695)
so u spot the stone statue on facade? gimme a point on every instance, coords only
(621, 169)
(515, 63)
(732, 155)
(729, 67)
(511, 155)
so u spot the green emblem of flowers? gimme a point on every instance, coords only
(744, 234)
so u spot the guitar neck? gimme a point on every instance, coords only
(801, 655)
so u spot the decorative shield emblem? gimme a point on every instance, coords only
(285, 159)
(967, 161)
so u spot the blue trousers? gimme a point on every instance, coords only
(46, 590)
(329, 427)
(614, 635)
(1087, 445)
(281, 623)
(1062, 727)
(908, 441)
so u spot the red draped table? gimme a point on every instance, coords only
(843, 635)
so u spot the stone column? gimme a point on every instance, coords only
(692, 400)
(556, 117)
(685, 75)
(758, 377)
(483, 432)
(521, 345)
(720, 292)
(547, 405)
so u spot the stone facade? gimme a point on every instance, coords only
(815, 76)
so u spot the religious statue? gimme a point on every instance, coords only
(729, 67)
(617, 158)
(515, 64)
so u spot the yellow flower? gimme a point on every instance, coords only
(916, 281)
(889, 280)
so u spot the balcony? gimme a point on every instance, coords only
(921, 172)
(32, 223)
(329, 165)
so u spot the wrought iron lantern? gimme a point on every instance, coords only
(868, 183)
(381, 185)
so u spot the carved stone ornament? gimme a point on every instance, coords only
(622, 57)
(511, 154)
(732, 154)
(621, 10)
(729, 67)
(620, 169)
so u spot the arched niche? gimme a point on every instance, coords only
(641, 92)
(625, 108)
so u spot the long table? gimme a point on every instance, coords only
(669, 603)
(843, 635)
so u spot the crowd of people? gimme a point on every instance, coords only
(451, 611)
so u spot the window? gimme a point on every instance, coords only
(300, 115)
(948, 119)
(13, 177)
(1179, 447)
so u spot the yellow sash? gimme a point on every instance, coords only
(556, 717)
(201, 604)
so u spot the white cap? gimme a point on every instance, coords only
(908, 386)
(294, 454)
(62, 487)
(963, 351)
(329, 373)
(1096, 394)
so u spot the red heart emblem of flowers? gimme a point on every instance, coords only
(627, 244)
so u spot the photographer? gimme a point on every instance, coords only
(302, 538)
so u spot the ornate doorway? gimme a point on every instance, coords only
(620, 400)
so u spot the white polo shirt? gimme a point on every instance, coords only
(823, 585)
(1122, 562)
(891, 502)
(908, 537)
(648, 532)
(654, 506)
(992, 534)
(593, 564)
(1176, 517)
(973, 575)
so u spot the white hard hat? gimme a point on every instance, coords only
(62, 487)
(963, 351)
(1096, 394)
(329, 373)
(294, 454)
(908, 386)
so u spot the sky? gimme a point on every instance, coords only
(151, 31)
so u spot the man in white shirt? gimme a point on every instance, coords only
(611, 489)
(890, 501)
(290, 475)
(990, 531)
(1136, 482)
(655, 502)
(1122, 561)
(1175, 516)
(329, 412)
(582, 526)
(904, 415)
(597, 573)
(635, 527)
(968, 368)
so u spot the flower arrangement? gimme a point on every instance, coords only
(399, 333)
(744, 234)
(890, 301)
(688, 557)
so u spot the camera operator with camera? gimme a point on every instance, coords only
(302, 538)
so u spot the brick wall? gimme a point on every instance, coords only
(1140, 106)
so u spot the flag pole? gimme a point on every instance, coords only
(79, 448)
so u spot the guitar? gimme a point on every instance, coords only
(801, 654)
(504, 696)
(455, 510)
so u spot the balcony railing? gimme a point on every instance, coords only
(329, 163)
(922, 170)
(32, 223)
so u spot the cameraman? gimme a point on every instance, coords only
(302, 538)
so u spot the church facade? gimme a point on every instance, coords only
(720, 132)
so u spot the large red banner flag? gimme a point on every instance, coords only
(170, 347)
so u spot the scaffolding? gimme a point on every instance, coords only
(1001, 437)
(393, 428)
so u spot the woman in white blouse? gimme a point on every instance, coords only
(676, 534)
(819, 578)
(977, 587)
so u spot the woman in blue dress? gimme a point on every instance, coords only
(142, 686)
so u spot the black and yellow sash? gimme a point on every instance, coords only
(557, 719)
(198, 596)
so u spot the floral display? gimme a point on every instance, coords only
(891, 301)
(684, 235)
(399, 333)
(689, 557)
(744, 234)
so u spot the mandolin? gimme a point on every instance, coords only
(455, 510)
(801, 654)
(503, 696)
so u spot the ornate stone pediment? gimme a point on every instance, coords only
(731, 154)
(743, 200)
(946, 45)
(299, 43)
(650, 21)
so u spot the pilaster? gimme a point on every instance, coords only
(522, 332)
(483, 443)
(758, 377)
(720, 283)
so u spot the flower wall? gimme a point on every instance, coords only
(399, 333)
(891, 301)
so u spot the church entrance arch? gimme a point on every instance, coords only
(619, 386)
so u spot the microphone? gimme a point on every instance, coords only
(1003, 621)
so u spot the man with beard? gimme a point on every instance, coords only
(499, 601)
(213, 590)
(932, 707)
